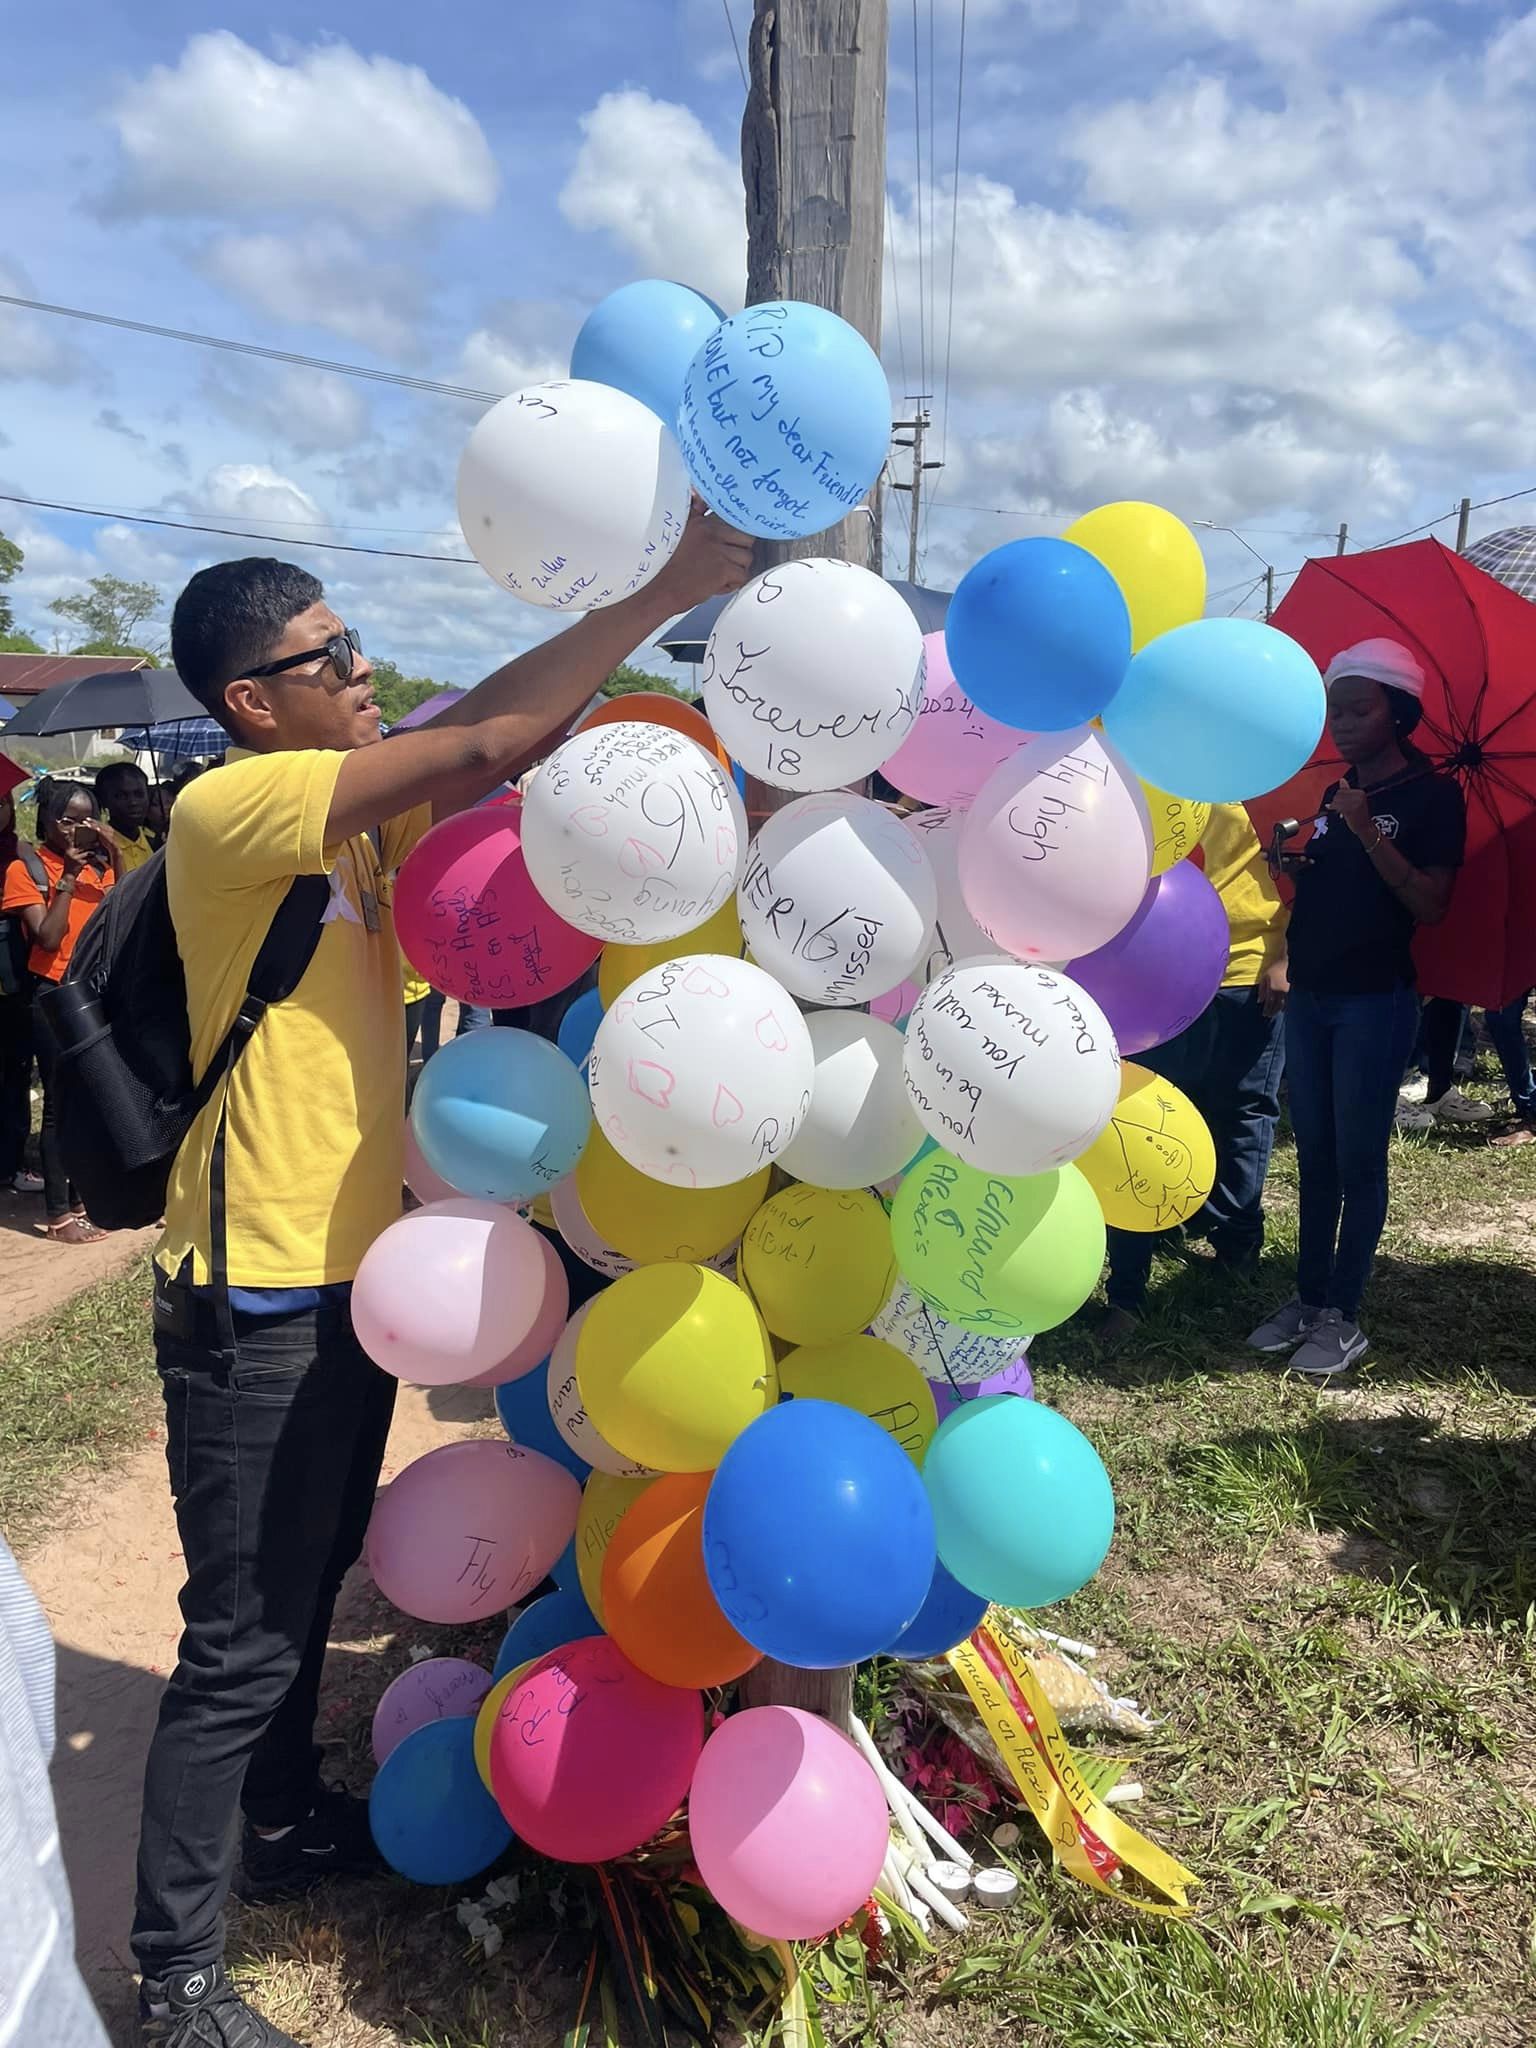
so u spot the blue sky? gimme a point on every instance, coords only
(1269, 265)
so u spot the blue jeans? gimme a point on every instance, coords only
(1229, 1064)
(1344, 1060)
(1440, 1038)
(426, 1015)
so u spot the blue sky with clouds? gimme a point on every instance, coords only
(1271, 265)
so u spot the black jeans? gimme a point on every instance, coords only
(274, 1456)
(58, 1193)
(15, 1083)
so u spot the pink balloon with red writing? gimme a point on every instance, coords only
(469, 1529)
(952, 747)
(471, 922)
(436, 1689)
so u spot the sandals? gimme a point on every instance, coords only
(74, 1230)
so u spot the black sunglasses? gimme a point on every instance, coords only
(342, 652)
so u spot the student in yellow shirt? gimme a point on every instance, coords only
(1229, 1063)
(276, 1419)
(122, 790)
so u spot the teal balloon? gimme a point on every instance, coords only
(431, 1816)
(1022, 1506)
(1218, 711)
(501, 1114)
(641, 339)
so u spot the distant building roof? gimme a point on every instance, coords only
(25, 676)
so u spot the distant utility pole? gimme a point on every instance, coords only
(917, 428)
(1269, 590)
(1343, 537)
(1463, 518)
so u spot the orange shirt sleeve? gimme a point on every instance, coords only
(20, 889)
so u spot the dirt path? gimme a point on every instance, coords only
(35, 1276)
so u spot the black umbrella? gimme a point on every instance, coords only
(141, 696)
(686, 640)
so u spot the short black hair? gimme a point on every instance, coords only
(114, 775)
(54, 799)
(228, 620)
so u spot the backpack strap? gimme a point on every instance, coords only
(32, 861)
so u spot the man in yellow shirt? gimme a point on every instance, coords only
(1229, 1063)
(122, 790)
(276, 1419)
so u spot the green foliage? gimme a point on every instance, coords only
(116, 647)
(396, 694)
(109, 612)
(10, 562)
(625, 680)
(15, 643)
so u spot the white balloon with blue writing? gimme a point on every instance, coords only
(838, 899)
(701, 1071)
(942, 1350)
(572, 495)
(860, 1128)
(813, 673)
(633, 833)
(568, 1411)
(1012, 1068)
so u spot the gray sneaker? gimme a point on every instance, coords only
(1285, 1328)
(1333, 1346)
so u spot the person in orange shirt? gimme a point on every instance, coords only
(56, 889)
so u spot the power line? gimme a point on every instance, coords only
(336, 547)
(890, 249)
(252, 348)
(917, 144)
(735, 45)
(954, 224)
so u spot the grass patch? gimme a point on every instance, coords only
(77, 1391)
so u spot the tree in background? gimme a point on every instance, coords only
(625, 680)
(11, 559)
(109, 614)
(396, 694)
(18, 643)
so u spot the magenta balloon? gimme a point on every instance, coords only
(540, 1340)
(1013, 1379)
(437, 1689)
(1158, 975)
(471, 922)
(469, 1529)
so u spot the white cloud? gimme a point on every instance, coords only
(321, 276)
(252, 493)
(32, 344)
(227, 131)
(1285, 34)
(292, 408)
(516, 344)
(651, 175)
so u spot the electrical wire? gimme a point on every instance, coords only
(735, 45)
(954, 224)
(890, 250)
(917, 144)
(228, 532)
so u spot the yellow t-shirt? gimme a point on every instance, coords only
(1236, 869)
(313, 1154)
(135, 851)
(416, 989)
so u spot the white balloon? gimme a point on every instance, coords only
(813, 673)
(838, 899)
(1056, 852)
(701, 1071)
(633, 833)
(1010, 1067)
(575, 1227)
(569, 1411)
(572, 495)
(956, 934)
(942, 1350)
(860, 1127)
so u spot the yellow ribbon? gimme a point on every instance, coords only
(1054, 1789)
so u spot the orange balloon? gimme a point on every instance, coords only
(657, 1602)
(655, 707)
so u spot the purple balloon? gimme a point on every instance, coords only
(437, 1689)
(1159, 974)
(1013, 1379)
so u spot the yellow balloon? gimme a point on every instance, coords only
(1178, 826)
(818, 1262)
(872, 1376)
(485, 1719)
(673, 1362)
(1154, 1164)
(652, 1220)
(603, 1500)
(618, 966)
(1153, 557)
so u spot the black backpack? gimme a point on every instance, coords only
(122, 1082)
(15, 941)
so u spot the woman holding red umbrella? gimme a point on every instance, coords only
(1381, 862)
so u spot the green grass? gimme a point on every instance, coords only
(77, 1390)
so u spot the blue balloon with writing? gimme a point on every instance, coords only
(785, 420)
(641, 339)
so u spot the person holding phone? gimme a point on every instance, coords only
(56, 889)
(1381, 860)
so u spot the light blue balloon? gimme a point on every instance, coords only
(641, 339)
(578, 1027)
(1022, 1506)
(523, 1406)
(547, 1624)
(431, 1816)
(1038, 635)
(1219, 710)
(785, 419)
(501, 1114)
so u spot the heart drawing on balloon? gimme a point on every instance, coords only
(725, 846)
(727, 1109)
(640, 858)
(614, 1126)
(591, 819)
(698, 981)
(771, 1035)
(683, 1176)
(653, 1082)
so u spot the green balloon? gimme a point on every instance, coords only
(1006, 1257)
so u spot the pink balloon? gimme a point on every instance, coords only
(589, 1756)
(471, 922)
(897, 1004)
(437, 1689)
(952, 747)
(540, 1341)
(470, 1529)
(450, 1291)
(423, 1183)
(789, 1823)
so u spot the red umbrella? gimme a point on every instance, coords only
(1477, 642)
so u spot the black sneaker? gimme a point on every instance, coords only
(335, 1840)
(202, 2009)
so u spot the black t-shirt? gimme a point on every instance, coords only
(1349, 933)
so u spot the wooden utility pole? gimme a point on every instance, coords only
(918, 429)
(1343, 537)
(1463, 519)
(813, 162)
(1269, 590)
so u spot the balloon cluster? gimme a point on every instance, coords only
(789, 1425)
